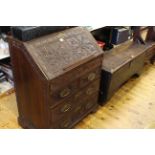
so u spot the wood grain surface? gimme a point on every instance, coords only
(132, 106)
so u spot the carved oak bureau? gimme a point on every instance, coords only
(57, 78)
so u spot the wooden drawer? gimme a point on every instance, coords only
(62, 110)
(89, 77)
(84, 106)
(88, 91)
(65, 123)
(64, 92)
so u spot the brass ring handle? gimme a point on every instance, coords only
(66, 108)
(91, 76)
(65, 92)
(90, 91)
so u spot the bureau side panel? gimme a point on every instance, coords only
(30, 90)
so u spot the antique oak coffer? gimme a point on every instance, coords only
(118, 66)
(57, 78)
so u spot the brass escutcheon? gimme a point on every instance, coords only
(91, 76)
(65, 92)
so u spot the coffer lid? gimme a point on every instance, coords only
(118, 56)
(60, 52)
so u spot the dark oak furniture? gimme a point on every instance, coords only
(119, 65)
(57, 78)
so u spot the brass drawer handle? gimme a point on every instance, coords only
(65, 93)
(90, 91)
(66, 108)
(91, 76)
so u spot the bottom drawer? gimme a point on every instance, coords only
(85, 106)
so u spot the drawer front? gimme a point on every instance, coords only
(89, 77)
(88, 91)
(62, 110)
(64, 92)
(65, 123)
(85, 106)
(75, 103)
